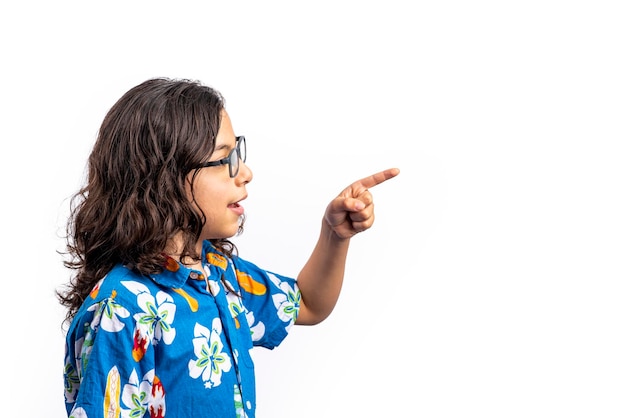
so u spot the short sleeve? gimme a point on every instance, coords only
(110, 362)
(271, 302)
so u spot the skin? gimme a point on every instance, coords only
(216, 192)
(321, 278)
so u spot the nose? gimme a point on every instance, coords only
(245, 174)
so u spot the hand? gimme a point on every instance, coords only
(353, 210)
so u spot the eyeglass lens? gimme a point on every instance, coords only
(238, 153)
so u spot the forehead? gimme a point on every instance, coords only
(226, 134)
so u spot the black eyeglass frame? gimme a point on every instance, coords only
(233, 157)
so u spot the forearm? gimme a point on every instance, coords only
(321, 278)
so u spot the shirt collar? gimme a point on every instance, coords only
(175, 274)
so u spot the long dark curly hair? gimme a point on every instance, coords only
(134, 200)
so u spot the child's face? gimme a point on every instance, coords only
(218, 194)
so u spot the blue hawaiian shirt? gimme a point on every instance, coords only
(178, 343)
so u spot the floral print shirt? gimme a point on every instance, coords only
(175, 344)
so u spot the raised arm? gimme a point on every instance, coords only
(321, 278)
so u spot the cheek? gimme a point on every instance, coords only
(207, 200)
(203, 188)
(211, 197)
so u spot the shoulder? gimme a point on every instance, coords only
(122, 286)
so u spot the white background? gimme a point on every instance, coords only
(493, 281)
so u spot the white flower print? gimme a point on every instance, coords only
(212, 361)
(155, 322)
(239, 410)
(214, 287)
(78, 413)
(107, 315)
(287, 302)
(71, 380)
(256, 331)
(138, 396)
(234, 304)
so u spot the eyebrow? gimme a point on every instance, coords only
(222, 147)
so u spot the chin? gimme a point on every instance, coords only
(232, 234)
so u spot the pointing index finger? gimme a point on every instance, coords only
(376, 179)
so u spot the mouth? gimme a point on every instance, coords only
(237, 208)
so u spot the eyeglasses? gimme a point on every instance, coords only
(238, 153)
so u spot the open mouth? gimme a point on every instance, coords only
(237, 208)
